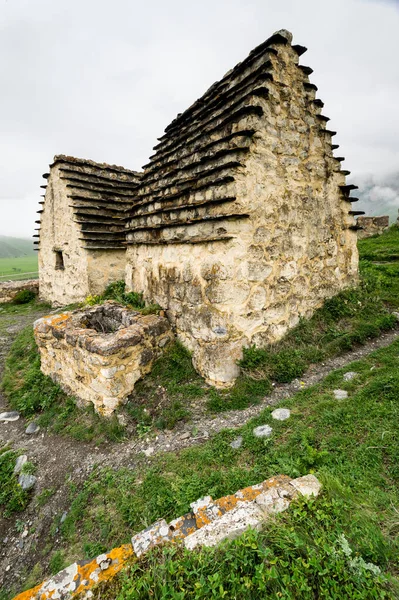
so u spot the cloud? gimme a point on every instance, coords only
(101, 80)
(379, 195)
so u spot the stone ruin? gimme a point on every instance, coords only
(240, 224)
(208, 524)
(369, 226)
(97, 354)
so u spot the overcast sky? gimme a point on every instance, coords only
(101, 79)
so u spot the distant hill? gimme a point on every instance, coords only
(11, 247)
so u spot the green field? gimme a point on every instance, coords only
(21, 267)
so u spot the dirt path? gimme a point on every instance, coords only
(59, 458)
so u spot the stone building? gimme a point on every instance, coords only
(240, 224)
(82, 228)
(242, 221)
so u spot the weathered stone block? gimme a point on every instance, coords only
(97, 354)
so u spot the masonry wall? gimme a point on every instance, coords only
(289, 250)
(85, 271)
(59, 233)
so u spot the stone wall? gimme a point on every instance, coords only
(82, 227)
(372, 226)
(263, 234)
(209, 523)
(9, 289)
(59, 234)
(97, 354)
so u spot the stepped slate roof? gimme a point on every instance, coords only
(99, 194)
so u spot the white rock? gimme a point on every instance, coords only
(21, 460)
(237, 443)
(149, 451)
(308, 485)
(281, 414)
(262, 431)
(230, 526)
(200, 503)
(11, 415)
(350, 375)
(26, 481)
(340, 394)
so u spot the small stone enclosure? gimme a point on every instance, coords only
(240, 223)
(97, 354)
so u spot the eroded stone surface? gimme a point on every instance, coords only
(237, 443)
(32, 428)
(98, 354)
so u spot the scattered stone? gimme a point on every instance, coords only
(281, 414)
(149, 451)
(32, 428)
(237, 443)
(340, 394)
(11, 415)
(63, 516)
(350, 375)
(21, 460)
(8, 567)
(308, 485)
(396, 314)
(262, 431)
(26, 481)
(185, 435)
(24, 534)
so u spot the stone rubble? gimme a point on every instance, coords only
(209, 523)
(21, 460)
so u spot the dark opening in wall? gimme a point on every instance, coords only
(59, 260)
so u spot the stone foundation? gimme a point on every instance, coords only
(372, 226)
(97, 354)
(9, 289)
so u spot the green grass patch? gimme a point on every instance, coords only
(117, 291)
(12, 497)
(383, 247)
(16, 268)
(351, 445)
(32, 393)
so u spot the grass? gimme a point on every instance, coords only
(351, 445)
(381, 247)
(32, 393)
(164, 397)
(14, 268)
(12, 497)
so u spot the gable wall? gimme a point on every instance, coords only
(293, 251)
(58, 231)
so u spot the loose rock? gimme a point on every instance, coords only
(281, 414)
(32, 428)
(237, 443)
(21, 460)
(262, 431)
(26, 481)
(12, 415)
(340, 394)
